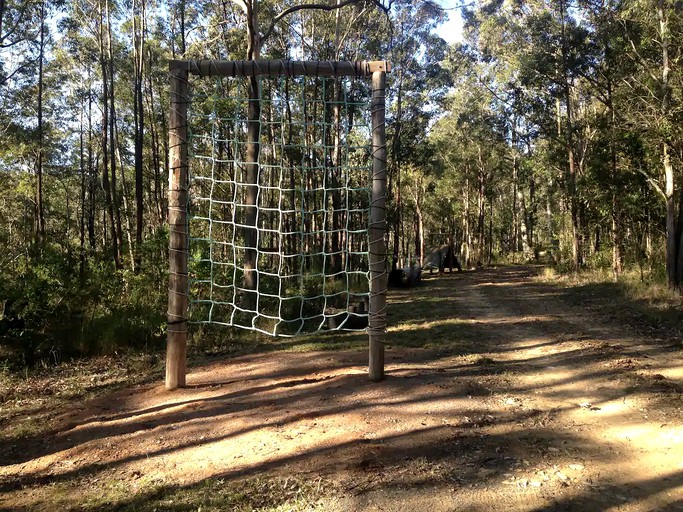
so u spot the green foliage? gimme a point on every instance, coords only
(37, 300)
(52, 311)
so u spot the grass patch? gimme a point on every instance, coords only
(421, 317)
(148, 494)
(484, 361)
(633, 300)
(31, 398)
(218, 341)
(217, 494)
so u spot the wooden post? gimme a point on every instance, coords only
(377, 321)
(176, 347)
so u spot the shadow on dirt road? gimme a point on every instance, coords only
(501, 393)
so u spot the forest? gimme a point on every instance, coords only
(542, 147)
(550, 134)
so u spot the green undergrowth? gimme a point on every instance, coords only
(56, 307)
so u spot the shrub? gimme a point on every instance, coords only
(51, 309)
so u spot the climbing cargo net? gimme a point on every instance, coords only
(313, 199)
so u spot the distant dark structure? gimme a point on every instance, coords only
(404, 277)
(442, 258)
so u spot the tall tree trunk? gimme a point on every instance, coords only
(138, 115)
(156, 153)
(671, 241)
(530, 217)
(679, 242)
(335, 174)
(490, 251)
(92, 176)
(569, 138)
(419, 232)
(466, 252)
(2, 16)
(183, 43)
(253, 147)
(105, 140)
(124, 199)
(81, 164)
(40, 214)
(293, 240)
(112, 139)
(549, 201)
(517, 197)
(337, 214)
(396, 166)
(614, 172)
(615, 207)
(163, 121)
(481, 204)
(516, 224)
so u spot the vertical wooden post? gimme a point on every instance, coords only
(377, 321)
(176, 346)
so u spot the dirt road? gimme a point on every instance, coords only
(522, 401)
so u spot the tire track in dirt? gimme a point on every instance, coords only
(592, 380)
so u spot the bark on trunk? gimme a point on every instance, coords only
(252, 166)
(112, 140)
(40, 214)
(82, 172)
(138, 115)
(106, 185)
(466, 252)
(92, 175)
(671, 241)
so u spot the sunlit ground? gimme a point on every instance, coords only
(518, 402)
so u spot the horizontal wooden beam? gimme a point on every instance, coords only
(279, 67)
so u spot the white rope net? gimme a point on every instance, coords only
(313, 201)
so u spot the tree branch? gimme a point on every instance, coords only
(4, 80)
(17, 23)
(322, 7)
(351, 24)
(653, 183)
(242, 5)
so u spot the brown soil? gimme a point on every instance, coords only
(552, 408)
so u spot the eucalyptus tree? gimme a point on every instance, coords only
(25, 47)
(495, 39)
(138, 13)
(548, 50)
(472, 145)
(653, 35)
(91, 32)
(417, 85)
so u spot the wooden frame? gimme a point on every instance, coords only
(279, 67)
(176, 351)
